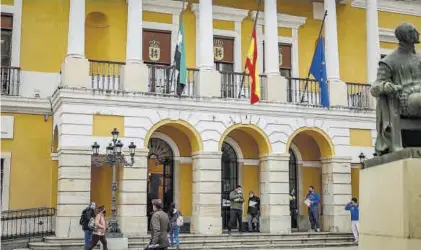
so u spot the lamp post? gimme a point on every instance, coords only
(115, 158)
(362, 159)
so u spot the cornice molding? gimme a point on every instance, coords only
(224, 13)
(218, 105)
(163, 6)
(284, 20)
(400, 7)
(25, 105)
(387, 35)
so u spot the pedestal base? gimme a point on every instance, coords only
(390, 202)
(117, 243)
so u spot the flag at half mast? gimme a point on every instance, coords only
(253, 69)
(180, 59)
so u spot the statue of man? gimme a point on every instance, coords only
(397, 89)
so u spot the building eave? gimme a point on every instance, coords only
(224, 13)
(25, 105)
(399, 7)
(284, 20)
(163, 6)
(387, 35)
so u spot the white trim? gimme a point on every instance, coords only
(236, 148)
(285, 39)
(355, 165)
(310, 164)
(295, 67)
(251, 162)
(9, 9)
(163, 6)
(173, 28)
(16, 11)
(223, 13)
(385, 51)
(401, 7)
(297, 152)
(184, 160)
(54, 156)
(25, 105)
(169, 141)
(387, 35)
(7, 156)
(284, 20)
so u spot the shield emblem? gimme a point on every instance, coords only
(218, 50)
(154, 51)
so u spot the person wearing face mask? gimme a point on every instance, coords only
(253, 211)
(312, 201)
(236, 210)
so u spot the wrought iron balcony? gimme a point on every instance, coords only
(358, 95)
(237, 85)
(303, 90)
(105, 75)
(10, 80)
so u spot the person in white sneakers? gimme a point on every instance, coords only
(354, 208)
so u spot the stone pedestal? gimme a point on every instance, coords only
(132, 196)
(390, 202)
(275, 88)
(336, 181)
(117, 243)
(338, 93)
(135, 77)
(209, 83)
(75, 72)
(73, 191)
(274, 193)
(206, 217)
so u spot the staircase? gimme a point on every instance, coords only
(222, 242)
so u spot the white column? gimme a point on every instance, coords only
(373, 43)
(331, 34)
(295, 53)
(134, 31)
(205, 36)
(76, 35)
(271, 38)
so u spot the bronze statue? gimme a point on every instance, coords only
(398, 92)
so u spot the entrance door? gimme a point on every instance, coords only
(293, 184)
(229, 180)
(160, 174)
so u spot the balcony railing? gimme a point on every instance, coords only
(27, 223)
(105, 75)
(10, 80)
(303, 90)
(234, 86)
(358, 95)
(163, 80)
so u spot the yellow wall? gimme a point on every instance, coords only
(223, 25)
(8, 2)
(312, 176)
(101, 192)
(248, 145)
(360, 137)
(44, 35)
(186, 189)
(149, 16)
(182, 141)
(33, 175)
(308, 147)
(190, 34)
(104, 124)
(385, 45)
(251, 181)
(355, 182)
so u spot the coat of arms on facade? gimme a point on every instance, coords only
(154, 51)
(280, 56)
(218, 49)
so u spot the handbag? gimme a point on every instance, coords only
(91, 224)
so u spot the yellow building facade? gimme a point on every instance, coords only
(76, 69)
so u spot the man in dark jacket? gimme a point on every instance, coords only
(293, 208)
(159, 227)
(253, 211)
(236, 209)
(87, 214)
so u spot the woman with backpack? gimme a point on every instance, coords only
(100, 229)
(176, 221)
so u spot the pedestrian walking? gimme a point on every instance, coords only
(86, 216)
(100, 228)
(354, 209)
(176, 221)
(293, 209)
(253, 211)
(160, 226)
(236, 209)
(312, 201)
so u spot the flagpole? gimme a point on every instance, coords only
(254, 27)
(178, 36)
(308, 75)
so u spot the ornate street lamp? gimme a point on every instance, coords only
(115, 158)
(362, 159)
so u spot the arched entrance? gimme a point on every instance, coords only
(293, 184)
(160, 183)
(229, 180)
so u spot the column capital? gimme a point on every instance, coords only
(275, 157)
(206, 155)
(336, 159)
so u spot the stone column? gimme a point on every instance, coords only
(373, 45)
(132, 196)
(206, 217)
(73, 191)
(135, 75)
(271, 38)
(209, 80)
(336, 193)
(337, 88)
(274, 191)
(75, 68)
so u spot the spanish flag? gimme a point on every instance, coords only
(253, 69)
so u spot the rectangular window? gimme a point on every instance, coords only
(285, 59)
(157, 47)
(223, 53)
(6, 39)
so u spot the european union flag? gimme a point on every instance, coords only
(318, 70)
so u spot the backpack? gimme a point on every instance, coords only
(180, 220)
(82, 218)
(91, 224)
